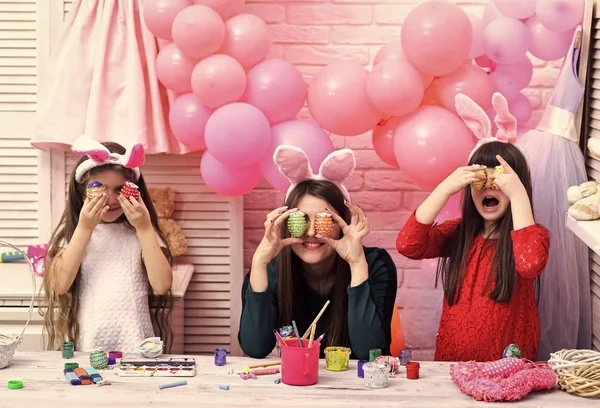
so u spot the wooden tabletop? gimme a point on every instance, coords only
(45, 385)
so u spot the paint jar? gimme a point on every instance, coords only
(68, 349)
(412, 370)
(376, 375)
(299, 366)
(359, 368)
(337, 358)
(373, 354)
(405, 356)
(220, 356)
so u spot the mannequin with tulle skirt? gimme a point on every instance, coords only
(557, 163)
(101, 81)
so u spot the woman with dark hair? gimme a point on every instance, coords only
(292, 278)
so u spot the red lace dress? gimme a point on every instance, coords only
(477, 327)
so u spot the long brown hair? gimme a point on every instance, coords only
(452, 267)
(291, 285)
(60, 311)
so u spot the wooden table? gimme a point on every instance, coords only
(45, 385)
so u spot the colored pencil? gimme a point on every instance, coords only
(264, 365)
(314, 323)
(312, 335)
(296, 331)
(279, 338)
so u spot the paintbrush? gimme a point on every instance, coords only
(247, 369)
(279, 338)
(314, 323)
(296, 331)
(312, 335)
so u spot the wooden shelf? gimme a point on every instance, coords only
(587, 231)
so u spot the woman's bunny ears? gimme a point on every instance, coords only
(478, 121)
(99, 155)
(294, 164)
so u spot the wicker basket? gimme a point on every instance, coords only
(8, 344)
(578, 371)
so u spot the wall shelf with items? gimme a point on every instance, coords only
(587, 231)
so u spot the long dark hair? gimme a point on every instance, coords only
(292, 287)
(60, 311)
(453, 265)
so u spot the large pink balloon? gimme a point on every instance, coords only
(305, 135)
(504, 83)
(225, 8)
(338, 100)
(560, 15)
(490, 13)
(391, 50)
(485, 62)
(218, 80)
(430, 144)
(546, 44)
(238, 134)
(174, 69)
(521, 72)
(383, 140)
(521, 109)
(247, 39)
(452, 210)
(469, 80)
(187, 119)
(277, 88)
(225, 180)
(395, 87)
(159, 15)
(198, 31)
(506, 40)
(519, 9)
(437, 37)
(477, 26)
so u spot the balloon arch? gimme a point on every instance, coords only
(238, 106)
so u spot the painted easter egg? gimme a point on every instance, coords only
(512, 350)
(130, 190)
(297, 224)
(324, 224)
(98, 358)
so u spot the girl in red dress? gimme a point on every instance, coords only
(489, 258)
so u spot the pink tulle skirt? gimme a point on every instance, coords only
(102, 82)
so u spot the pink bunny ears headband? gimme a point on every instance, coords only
(100, 156)
(293, 164)
(479, 123)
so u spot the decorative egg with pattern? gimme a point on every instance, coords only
(498, 170)
(323, 224)
(94, 189)
(296, 224)
(512, 350)
(98, 358)
(478, 185)
(130, 190)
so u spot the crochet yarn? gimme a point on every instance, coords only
(98, 358)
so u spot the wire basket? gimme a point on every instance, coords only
(578, 371)
(8, 344)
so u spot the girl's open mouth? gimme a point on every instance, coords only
(490, 203)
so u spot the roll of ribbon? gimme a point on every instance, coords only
(115, 354)
(15, 384)
(68, 349)
(71, 366)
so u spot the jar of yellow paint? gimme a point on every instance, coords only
(336, 358)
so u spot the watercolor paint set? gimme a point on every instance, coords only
(174, 367)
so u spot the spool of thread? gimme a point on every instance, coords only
(373, 354)
(220, 356)
(68, 349)
(71, 366)
(111, 361)
(412, 370)
(115, 354)
(98, 358)
(405, 356)
(359, 368)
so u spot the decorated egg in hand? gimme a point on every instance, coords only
(130, 190)
(478, 185)
(297, 224)
(94, 189)
(498, 170)
(323, 224)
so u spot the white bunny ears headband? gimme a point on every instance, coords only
(99, 155)
(294, 164)
(479, 123)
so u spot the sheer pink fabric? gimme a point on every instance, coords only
(102, 82)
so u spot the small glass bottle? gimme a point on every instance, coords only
(220, 356)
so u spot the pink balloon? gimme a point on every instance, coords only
(506, 40)
(477, 28)
(560, 15)
(431, 95)
(485, 62)
(437, 37)
(187, 119)
(521, 72)
(547, 45)
(490, 13)
(305, 135)
(395, 87)
(247, 39)
(452, 210)
(521, 130)
(392, 50)
(383, 140)
(430, 144)
(174, 69)
(198, 31)
(338, 100)
(277, 88)
(225, 8)
(159, 15)
(504, 83)
(469, 80)
(519, 9)
(238, 134)
(228, 181)
(218, 80)
(521, 109)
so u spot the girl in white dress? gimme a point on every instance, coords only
(107, 262)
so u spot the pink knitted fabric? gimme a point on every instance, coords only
(508, 379)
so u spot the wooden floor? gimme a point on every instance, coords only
(45, 385)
